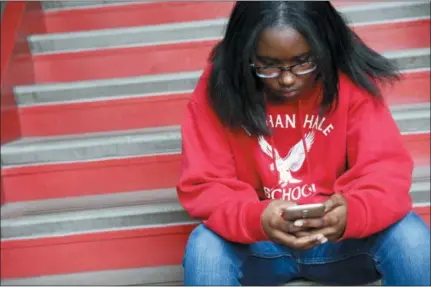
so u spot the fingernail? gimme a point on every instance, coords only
(298, 223)
(323, 240)
(319, 237)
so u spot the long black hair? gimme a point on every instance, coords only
(236, 93)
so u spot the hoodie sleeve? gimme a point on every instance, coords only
(376, 186)
(209, 189)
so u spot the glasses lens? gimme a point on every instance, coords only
(267, 72)
(304, 68)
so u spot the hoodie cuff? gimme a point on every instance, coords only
(253, 222)
(355, 218)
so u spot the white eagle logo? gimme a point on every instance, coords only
(292, 162)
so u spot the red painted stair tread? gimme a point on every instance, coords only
(99, 64)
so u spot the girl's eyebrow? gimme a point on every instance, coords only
(277, 60)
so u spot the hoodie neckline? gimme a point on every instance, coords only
(302, 103)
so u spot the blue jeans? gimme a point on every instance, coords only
(399, 255)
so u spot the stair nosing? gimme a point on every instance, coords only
(177, 26)
(99, 213)
(130, 30)
(39, 40)
(81, 139)
(98, 231)
(117, 277)
(196, 40)
(91, 6)
(130, 96)
(49, 87)
(80, 217)
(200, 23)
(127, 46)
(97, 201)
(43, 207)
(42, 87)
(398, 111)
(158, 141)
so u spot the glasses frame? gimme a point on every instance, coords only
(284, 69)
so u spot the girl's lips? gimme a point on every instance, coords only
(290, 93)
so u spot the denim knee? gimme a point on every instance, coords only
(404, 251)
(211, 260)
(205, 246)
(202, 243)
(410, 234)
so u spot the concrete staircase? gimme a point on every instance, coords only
(89, 188)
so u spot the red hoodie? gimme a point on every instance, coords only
(229, 177)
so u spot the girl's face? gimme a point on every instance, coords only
(285, 47)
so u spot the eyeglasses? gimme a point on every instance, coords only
(269, 72)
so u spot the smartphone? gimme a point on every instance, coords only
(304, 211)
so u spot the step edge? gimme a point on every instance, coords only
(218, 21)
(77, 51)
(130, 228)
(401, 112)
(192, 40)
(117, 277)
(91, 6)
(153, 43)
(47, 164)
(171, 152)
(420, 185)
(99, 231)
(128, 30)
(71, 204)
(92, 214)
(152, 95)
(132, 135)
(10, 211)
(49, 87)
